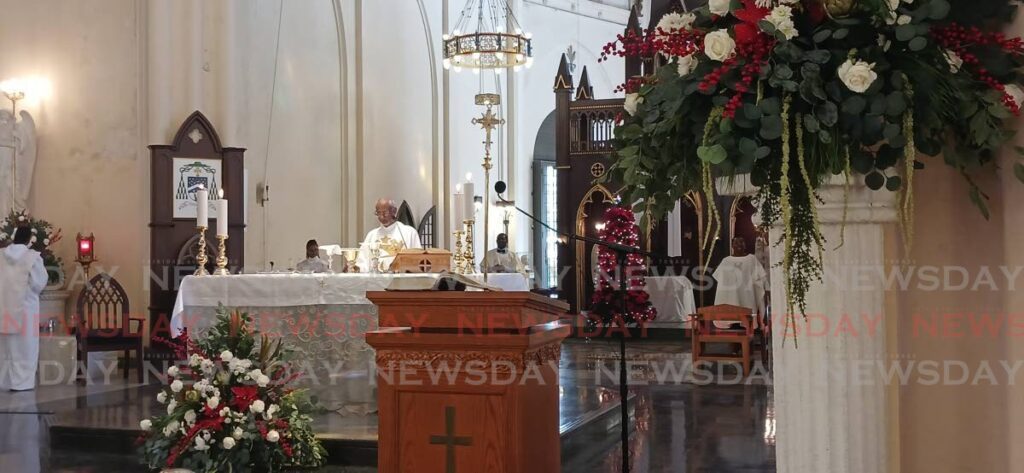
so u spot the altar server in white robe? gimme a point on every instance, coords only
(390, 227)
(742, 281)
(22, 278)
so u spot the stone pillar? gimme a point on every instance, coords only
(833, 409)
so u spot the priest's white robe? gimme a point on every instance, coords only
(312, 265)
(397, 231)
(22, 278)
(496, 261)
(741, 281)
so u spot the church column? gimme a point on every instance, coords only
(833, 409)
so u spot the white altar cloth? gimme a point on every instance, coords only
(295, 289)
(672, 296)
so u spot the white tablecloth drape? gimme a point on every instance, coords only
(672, 296)
(293, 289)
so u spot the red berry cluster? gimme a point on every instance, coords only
(650, 42)
(960, 39)
(754, 55)
(633, 84)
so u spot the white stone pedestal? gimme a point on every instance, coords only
(53, 304)
(833, 409)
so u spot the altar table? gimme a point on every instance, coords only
(672, 296)
(323, 318)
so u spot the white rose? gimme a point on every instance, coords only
(782, 18)
(257, 406)
(146, 425)
(237, 434)
(201, 444)
(170, 428)
(718, 45)
(271, 411)
(673, 22)
(228, 443)
(857, 75)
(893, 4)
(173, 371)
(719, 7)
(177, 386)
(273, 436)
(263, 380)
(954, 60)
(161, 397)
(632, 101)
(213, 402)
(172, 406)
(1015, 93)
(226, 356)
(190, 416)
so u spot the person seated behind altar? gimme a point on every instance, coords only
(22, 278)
(500, 259)
(742, 280)
(388, 238)
(312, 263)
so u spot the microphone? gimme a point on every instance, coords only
(500, 187)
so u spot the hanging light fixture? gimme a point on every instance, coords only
(487, 36)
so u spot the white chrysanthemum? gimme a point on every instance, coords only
(719, 46)
(161, 397)
(239, 366)
(257, 406)
(273, 436)
(228, 443)
(256, 373)
(146, 425)
(213, 402)
(207, 367)
(177, 385)
(857, 75)
(170, 428)
(263, 380)
(226, 356)
(237, 434)
(194, 360)
(954, 60)
(673, 22)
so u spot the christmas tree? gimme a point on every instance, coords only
(606, 305)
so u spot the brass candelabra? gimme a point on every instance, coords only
(457, 256)
(222, 256)
(469, 261)
(202, 258)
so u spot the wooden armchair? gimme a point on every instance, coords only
(705, 331)
(104, 323)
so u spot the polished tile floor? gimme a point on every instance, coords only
(686, 419)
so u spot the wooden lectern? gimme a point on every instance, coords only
(467, 381)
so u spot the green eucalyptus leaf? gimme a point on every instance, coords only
(861, 162)
(854, 105)
(841, 33)
(819, 56)
(762, 152)
(629, 132)
(874, 180)
(747, 146)
(713, 154)
(822, 35)
(878, 104)
(771, 127)
(827, 113)
(751, 111)
(938, 9)
(824, 136)
(893, 183)
(905, 32)
(783, 71)
(770, 106)
(895, 104)
(891, 131)
(918, 43)
(811, 124)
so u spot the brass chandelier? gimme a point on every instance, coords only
(487, 36)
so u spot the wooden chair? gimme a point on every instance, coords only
(104, 323)
(705, 331)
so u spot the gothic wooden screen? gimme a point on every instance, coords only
(427, 229)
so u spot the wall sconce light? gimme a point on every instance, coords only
(86, 251)
(14, 90)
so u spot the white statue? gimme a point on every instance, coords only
(17, 160)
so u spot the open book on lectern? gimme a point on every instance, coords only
(444, 281)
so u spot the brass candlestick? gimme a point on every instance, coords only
(202, 258)
(457, 256)
(222, 257)
(470, 260)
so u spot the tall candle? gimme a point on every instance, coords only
(202, 208)
(470, 210)
(459, 208)
(222, 218)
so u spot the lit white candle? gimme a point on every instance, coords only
(222, 215)
(459, 208)
(202, 208)
(468, 192)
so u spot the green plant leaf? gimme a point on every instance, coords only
(893, 183)
(783, 72)
(854, 105)
(713, 154)
(819, 56)
(751, 111)
(763, 152)
(747, 146)
(631, 131)
(770, 106)
(841, 33)
(938, 9)
(891, 131)
(811, 124)
(771, 127)
(874, 180)
(905, 32)
(861, 161)
(822, 35)
(827, 113)
(895, 104)
(918, 43)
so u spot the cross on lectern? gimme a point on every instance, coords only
(449, 440)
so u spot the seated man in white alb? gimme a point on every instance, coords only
(312, 263)
(500, 259)
(390, 232)
(22, 278)
(741, 281)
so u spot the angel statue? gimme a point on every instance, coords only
(17, 159)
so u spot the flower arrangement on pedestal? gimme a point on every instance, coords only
(793, 92)
(606, 305)
(232, 408)
(44, 236)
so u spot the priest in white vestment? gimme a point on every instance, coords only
(22, 278)
(312, 263)
(742, 281)
(390, 232)
(500, 259)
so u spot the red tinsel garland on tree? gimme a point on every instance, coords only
(606, 305)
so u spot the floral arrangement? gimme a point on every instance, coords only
(44, 236)
(620, 227)
(232, 407)
(794, 92)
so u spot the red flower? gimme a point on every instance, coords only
(815, 11)
(244, 397)
(747, 31)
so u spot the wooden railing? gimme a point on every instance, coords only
(592, 125)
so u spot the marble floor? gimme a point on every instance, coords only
(685, 419)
